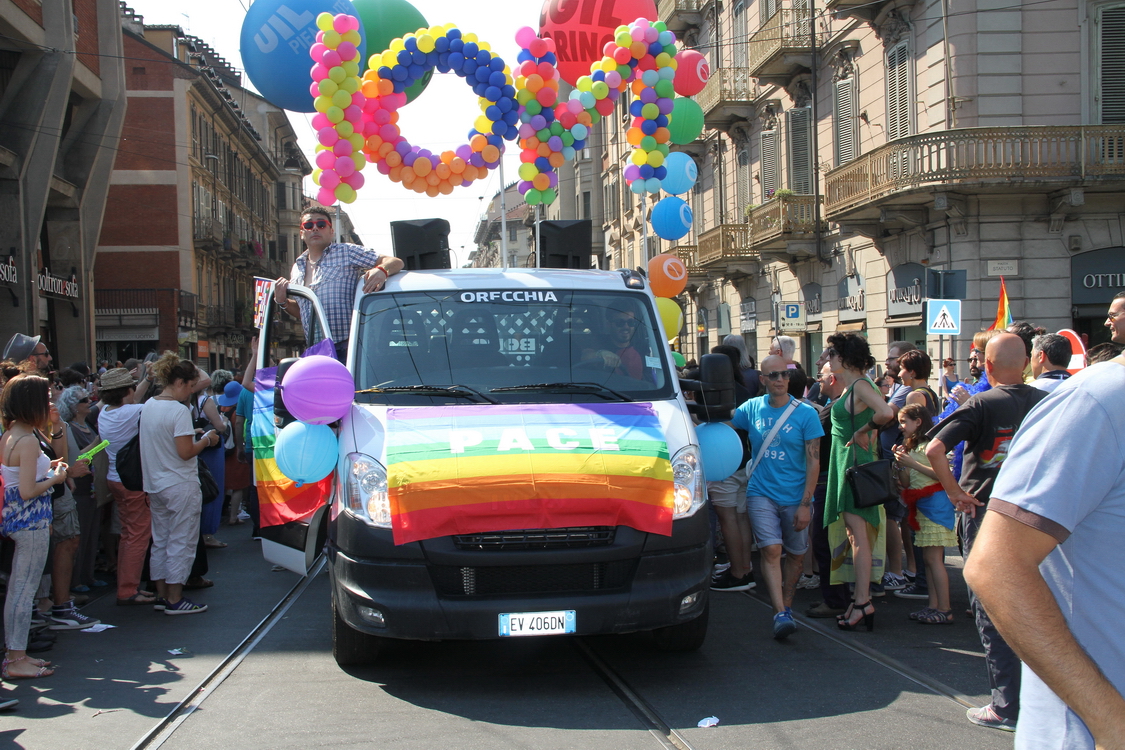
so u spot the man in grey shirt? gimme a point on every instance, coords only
(1056, 516)
(1050, 356)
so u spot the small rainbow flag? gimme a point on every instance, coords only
(474, 469)
(279, 498)
(1003, 310)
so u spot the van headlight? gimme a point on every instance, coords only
(687, 473)
(367, 497)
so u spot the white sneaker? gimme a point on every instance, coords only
(809, 582)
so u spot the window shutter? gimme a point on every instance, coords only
(697, 224)
(846, 133)
(1111, 59)
(743, 174)
(799, 147)
(769, 163)
(770, 7)
(898, 92)
(740, 57)
(801, 17)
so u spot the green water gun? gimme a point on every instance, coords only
(88, 455)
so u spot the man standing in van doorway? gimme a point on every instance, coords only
(331, 270)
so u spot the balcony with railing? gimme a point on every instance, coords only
(208, 231)
(680, 15)
(724, 243)
(1040, 159)
(689, 254)
(729, 95)
(784, 219)
(782, 47)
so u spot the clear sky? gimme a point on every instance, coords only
(439, 119)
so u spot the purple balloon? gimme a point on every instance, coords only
(524, 187)
(554, 178)
(476, 160)
(665, 105)
(466, 183)
(410, 158)
(464, 152)
(648, 96)
(539, 122)
(526, 131)
(403, 148)
(614, 94)
(555, 143)
(318, 390)
(632, 172)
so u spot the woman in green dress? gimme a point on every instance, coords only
(856, 417)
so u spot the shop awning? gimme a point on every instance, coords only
(859, 326)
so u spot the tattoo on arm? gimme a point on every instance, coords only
(812, 448)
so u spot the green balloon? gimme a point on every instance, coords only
(384, 20)
(679, 359)
(533, 197)
(686, 122)
(548, 196)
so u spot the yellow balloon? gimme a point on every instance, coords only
(321, 147)
(353, 37)
(328, 87)
(332, 39)
(639, 157)
(470, 38)
(351, 68)
(342, 99)
(356, 139)
(322, 103)
(655, 159)
(345, 129)
(316, 176)
(671, 316)
(345, 192)
(337, 74)
(483, 124)
(359, 159)
(390, 59)
(324, 22)
(351, 84)
(398, 45)
(334, 115)
(484, 46)
(426, 43)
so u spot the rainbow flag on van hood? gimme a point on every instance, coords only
(473, 469)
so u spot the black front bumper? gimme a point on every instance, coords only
(649, 576)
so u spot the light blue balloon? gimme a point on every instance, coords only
(579, 131)
(667, 74)
(666, 38)
(588, 99)
(637, 186)
(276, 37)
(650, 77)
(682, 173)
(652, 185)
(671, 218)
(569, 153)
(306, 452)
(720, 448)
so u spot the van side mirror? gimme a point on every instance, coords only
(281, 415)
(714, 390)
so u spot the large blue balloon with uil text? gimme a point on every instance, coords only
(720, 448)
(671, 218)
(682, 173)
(276, 37)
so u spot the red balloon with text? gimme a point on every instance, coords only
(581, 28)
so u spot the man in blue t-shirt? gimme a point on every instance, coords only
(782, 481)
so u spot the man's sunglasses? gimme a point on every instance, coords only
(83, 400)
(779, 374)
(44, 353)
(319, 224)
(623, 322)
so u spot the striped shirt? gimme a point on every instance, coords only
(333, 280)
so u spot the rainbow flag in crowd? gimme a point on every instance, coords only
(473, 469)
(1003, 310)
(279, 498)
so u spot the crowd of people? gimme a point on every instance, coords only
(947, 450)
(86, 500)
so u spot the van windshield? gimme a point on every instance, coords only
(509, 346)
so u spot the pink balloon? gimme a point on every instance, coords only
(382, 166)
(347, 51)
(651, 35)
(344, 165)
(370, 128)
(381, 117)
(320, 120)
(320, 37)
(359, 100)
(329, 179)
(692, 72)
(341, 24)
(388, 132)
(314, 90)
(637, 33)
(353, 114)
(327, 136)
(326, 196)
(574, 106)
(538, 48)
(317, 51)
(325, 159)
(331, 58)
(318, 72)
(342, 147)
(612, 79)
(355, 179)
(525, 36)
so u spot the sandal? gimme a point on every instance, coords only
(919, 613)
(137, 599)
(936, 617)
(39, 672)
(211, 542)
(198, 582)
(867, 609)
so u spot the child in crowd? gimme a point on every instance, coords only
(930, 513)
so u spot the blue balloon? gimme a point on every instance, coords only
(671, 218)
(275, 41)
(720, 448)
(682, 173)
(306, 452)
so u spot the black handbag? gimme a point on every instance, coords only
(128, 463)
(871, 483)
(207, 484)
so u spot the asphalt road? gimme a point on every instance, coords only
(905, 685)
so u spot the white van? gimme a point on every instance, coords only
(447, 520)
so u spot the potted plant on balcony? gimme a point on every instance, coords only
(783, 193)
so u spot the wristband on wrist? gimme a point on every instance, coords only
(873, 425)
(56, 435)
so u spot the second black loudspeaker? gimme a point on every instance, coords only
(566, 244)
(423, 244)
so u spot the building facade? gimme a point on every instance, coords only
(212, 178)
(856, 153)
(62, 106)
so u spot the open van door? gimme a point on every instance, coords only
(293, 524)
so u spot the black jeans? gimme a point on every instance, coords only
(1002, 663)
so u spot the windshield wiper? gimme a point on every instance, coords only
(588, 387)
(460, 391)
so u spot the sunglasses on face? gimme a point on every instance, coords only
(779, 375)
(830, 353)
(319, 224)
(83, 400)
(623, 322)
(44, 353)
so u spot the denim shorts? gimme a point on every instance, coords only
(773, 524)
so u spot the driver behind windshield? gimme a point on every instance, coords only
(618, 352)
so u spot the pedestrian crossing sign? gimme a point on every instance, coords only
(943, 317)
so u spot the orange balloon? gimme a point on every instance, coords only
(370, 89)
(386, 88)
(422, 167)
(478, 142)
(408, 176)
(447, 157)
(386, 148)
(544, 150)
(394, 119)
(638, 49)
(432, 191)
(585, 119)
(470, 172)
(534, 82)
(556, 159)
(394, 159)
(667, 275)
(442, 171)
(662, 135)
(445, 188)
(541, 182)
(634, 136)
(372, 144)
(638, 86)
(531, 143)
(490, 153)
(395, 174)
(432, 179)
(457, 166)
